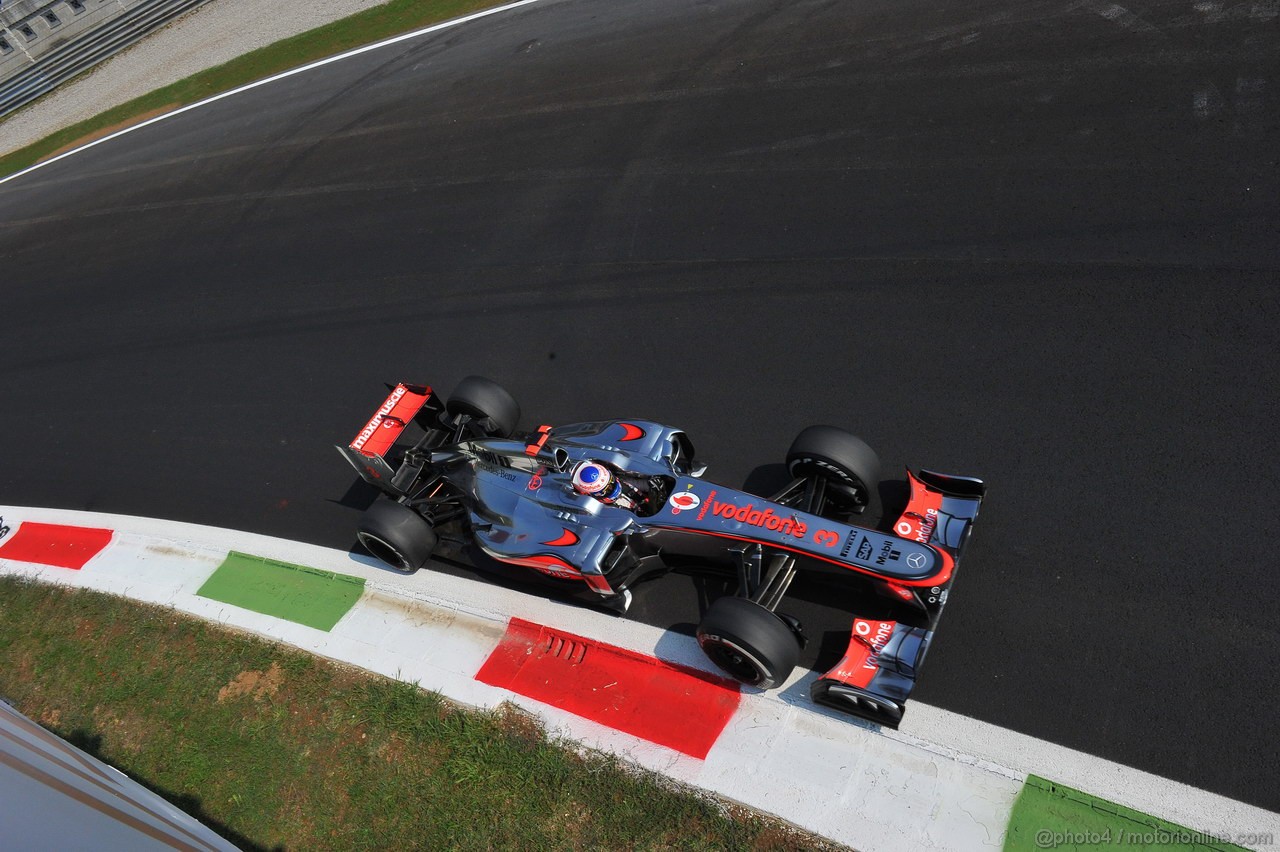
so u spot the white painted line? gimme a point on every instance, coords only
(356, 52)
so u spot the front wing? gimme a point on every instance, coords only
(878, 671)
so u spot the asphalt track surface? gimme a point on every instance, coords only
(1030, 241)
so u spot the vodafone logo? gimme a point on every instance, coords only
(749, 514)
(684, 501)
(861, 665)
(922, 533)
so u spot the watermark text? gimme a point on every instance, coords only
(1048, 838)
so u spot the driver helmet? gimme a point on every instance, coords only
(595, 480)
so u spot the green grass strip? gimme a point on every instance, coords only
(1048, 815)
(372, 25)
(293, 592)
(275, 749)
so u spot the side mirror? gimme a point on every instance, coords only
(561, 458)
(697, 469)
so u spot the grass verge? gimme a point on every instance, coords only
(398, 16)
(275, 748)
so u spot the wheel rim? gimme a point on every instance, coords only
(736, 661)
(384, 552)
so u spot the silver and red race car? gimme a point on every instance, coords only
(471, 488)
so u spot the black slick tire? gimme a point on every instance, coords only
(748, 642)
(485, 399)
(396, 536)
(842, 459)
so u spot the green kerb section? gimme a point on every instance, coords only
(1047, 815)
(293, 592)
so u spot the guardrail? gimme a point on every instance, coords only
(57, 65)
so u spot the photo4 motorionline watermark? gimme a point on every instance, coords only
(1047, 838)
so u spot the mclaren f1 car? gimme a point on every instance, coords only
(471, 487)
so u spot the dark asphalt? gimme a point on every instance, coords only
(1030, 241)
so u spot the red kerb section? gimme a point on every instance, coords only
(675, 706)
(55, 544)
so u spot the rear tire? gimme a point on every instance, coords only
(397, 536)
(486, 400)
(850, 467)
(748, 642)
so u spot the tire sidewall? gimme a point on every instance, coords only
(826, 467)
(485, 399)
(838, 457)
(379, 549)
(739, 626)
(390, 529)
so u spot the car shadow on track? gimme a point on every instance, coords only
(360, 495)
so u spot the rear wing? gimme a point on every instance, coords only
(367, 451)
(875, 676)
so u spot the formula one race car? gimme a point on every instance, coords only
(601, 506)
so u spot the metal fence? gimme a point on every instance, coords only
(49, 43)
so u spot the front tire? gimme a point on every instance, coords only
(483, 399)
(397, 536)
(850, 467)
(748, 642)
